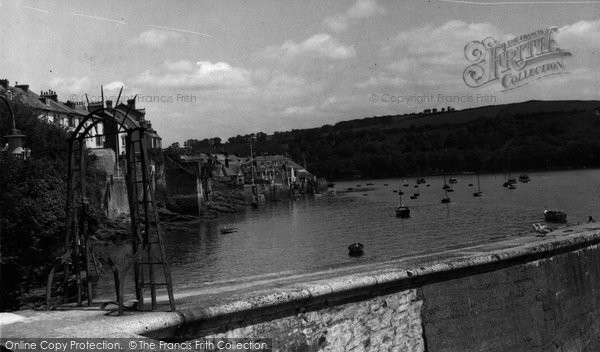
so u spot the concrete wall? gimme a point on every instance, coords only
(531, 295)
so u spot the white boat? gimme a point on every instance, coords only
(225, 230)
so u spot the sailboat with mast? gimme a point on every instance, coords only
(446, 199)
(402, 211)
(478, 193)
(416, 195)
(445, 186)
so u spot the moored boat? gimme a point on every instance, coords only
(524, 178)
(225, 230)
(478, 193)
(356, 249)
(402, 211)
(555, 216)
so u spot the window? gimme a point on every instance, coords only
(99, 141)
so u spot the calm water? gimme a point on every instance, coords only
(312, 233)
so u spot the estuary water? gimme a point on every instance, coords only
(312, 233)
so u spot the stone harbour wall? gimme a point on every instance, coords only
(521, 295)
(383, 323)
(551, 304)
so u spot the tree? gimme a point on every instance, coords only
(32, 202)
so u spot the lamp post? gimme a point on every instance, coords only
(15, 139)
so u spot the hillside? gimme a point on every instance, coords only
(522, 136)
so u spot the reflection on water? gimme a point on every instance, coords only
(312, 233)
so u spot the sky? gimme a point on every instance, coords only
(205, 69)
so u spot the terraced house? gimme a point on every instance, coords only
(104, 138)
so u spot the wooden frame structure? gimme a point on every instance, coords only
(78, 262)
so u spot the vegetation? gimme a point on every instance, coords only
(32, 194)
(492, 139)
(32, 206)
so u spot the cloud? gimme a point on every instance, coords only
(582, 34)
(383, 80)
(449, 39)
(299, 110)
(179, 66)
(154, 38)
(70, 84)
(115, 85)
(361, 9)
(318, 46)
(199, 75)
(284, 84)
(365, 8)
(428, 58)
(338, 23)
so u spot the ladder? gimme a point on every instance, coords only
(149, 262)
(78, 262)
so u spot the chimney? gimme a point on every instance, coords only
(94, 106)
(23, 87)
(131, 102)
(109, 104)
(4, 83)
(50, 94)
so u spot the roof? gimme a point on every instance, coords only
(34, 101)
(136, 112)
(281, 159)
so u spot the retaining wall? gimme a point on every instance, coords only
(538, 296)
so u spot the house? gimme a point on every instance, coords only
(70, 115)
(277, 169)
(223, 167)
(117, 136)
(48, 107)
